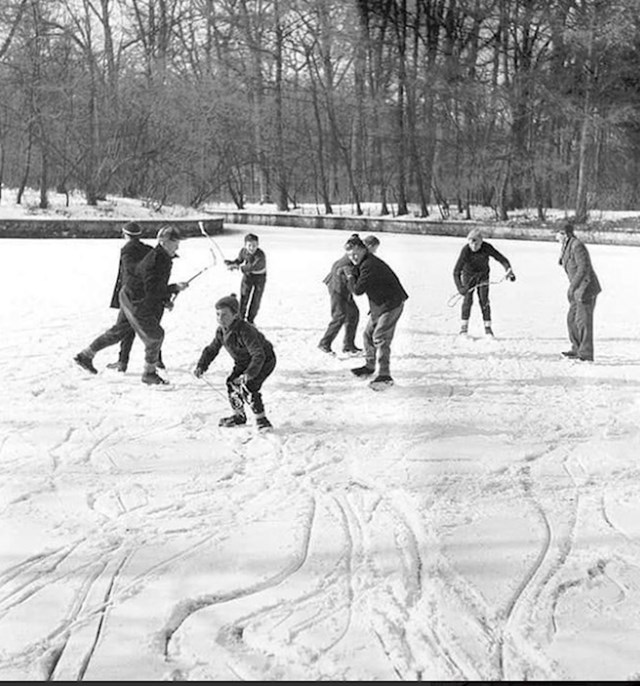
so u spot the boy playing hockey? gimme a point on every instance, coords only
(254, 360)
(471, 273)
(252, 262)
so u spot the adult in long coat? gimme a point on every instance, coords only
(132, 252)
(375, 278)
(130, 255)
(583, 291)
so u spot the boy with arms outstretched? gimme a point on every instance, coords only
(252, 262)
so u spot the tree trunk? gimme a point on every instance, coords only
(281, 172)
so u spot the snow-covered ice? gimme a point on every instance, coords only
(480, 520)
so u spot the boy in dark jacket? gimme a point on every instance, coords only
(471, 273)
(373, 276)
(252, 262)
(253, 361)
(344, 311)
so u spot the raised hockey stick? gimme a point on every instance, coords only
(213, 247)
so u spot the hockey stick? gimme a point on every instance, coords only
(204, 269)
(214, 247)
(215, 388)
(189, 280)
(213, 257)
(457, 297)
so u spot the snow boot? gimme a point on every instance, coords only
(363, 371)
(352, 350)
(234, 420)
(263, 423)
(85, 362)
(117, 365)
(381, 382)
(152, 379)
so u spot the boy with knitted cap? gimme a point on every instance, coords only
(253, 361)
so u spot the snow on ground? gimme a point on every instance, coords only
(478, 521)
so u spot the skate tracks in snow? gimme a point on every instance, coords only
(477, 521)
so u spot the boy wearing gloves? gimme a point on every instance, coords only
(471, 273)
(253, 357)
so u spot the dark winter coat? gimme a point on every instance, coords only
(131, 254)
(245, 343)
(583, 282)
(375, 277)
(248, 263)
(472, 268)
(336, 279)
(149, 289)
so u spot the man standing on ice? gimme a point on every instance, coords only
(145, 297)
(375, 278)
(583, 291)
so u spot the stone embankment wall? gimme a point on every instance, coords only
(102, 228)
(426, 227)
(214, 224)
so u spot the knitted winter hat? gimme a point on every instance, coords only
(354, 242)
(567, 228)
(132, 229)
(229, 301)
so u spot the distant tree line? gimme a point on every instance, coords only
(407, 103)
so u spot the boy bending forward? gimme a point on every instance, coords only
(254, 360)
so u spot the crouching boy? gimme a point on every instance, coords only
(254, 360)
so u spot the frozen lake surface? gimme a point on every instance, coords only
(478, 521)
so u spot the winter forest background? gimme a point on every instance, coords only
(408, 103)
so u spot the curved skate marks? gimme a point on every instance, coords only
(190, 606)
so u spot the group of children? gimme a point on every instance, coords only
(359, 271)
